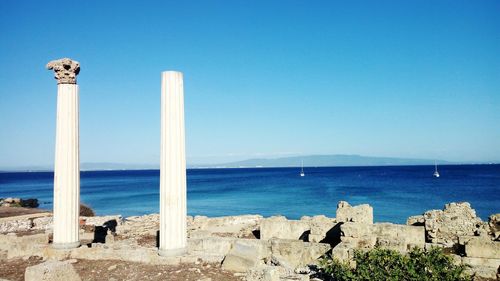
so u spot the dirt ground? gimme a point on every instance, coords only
(14, 269)
(18, 211)
(119, 270)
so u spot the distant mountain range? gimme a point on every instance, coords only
(87, 166)
(295, 161)
(325, 161)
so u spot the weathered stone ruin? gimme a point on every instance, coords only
(260, 248)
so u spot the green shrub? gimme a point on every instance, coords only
(86, 211)
(381, 264)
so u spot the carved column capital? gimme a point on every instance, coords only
(65, 70)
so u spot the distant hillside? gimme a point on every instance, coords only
(309, 161)
(86, 166)
(326, 161)
(89, 166)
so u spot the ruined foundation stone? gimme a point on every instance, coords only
(361, 213)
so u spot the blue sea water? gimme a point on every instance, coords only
(394, 192)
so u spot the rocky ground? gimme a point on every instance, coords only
(247, 247)
(18, 211)
(111, 270)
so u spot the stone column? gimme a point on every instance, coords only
(67, 155)
(173, 236)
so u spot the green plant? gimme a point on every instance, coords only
(383, 264)
(86, 211)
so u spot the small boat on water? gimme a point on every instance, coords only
(436, 173)
(302, 169)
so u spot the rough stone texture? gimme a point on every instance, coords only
(65, 70)
(416, 220)
(280, 257)
(21, 223)
(246, 254)
(361, 213)
(343, 252)
(273, 273)
(101, 220)
(15, 225)
(445, 226)
(23, 246)
(43, 223)
(230, 226)
(485, 268)
(494, 224)
(197, 227)
(139, 225)
(386, 235)
(479, 247)
(280, 227)
(399, 237)
(293, 254)
(51, 271)
(322, 229)
(213, 245)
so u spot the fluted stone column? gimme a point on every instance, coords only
(173, 236)
(67, 156)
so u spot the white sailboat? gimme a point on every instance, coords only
(436, 173)
(302, 169)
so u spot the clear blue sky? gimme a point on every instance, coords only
(262, 78)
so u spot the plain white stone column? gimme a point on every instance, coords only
(67, 157)
(173, 235)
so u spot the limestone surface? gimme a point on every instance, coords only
(445, 226)
(246, 254)
(494, 224)
(361, 213)
(479, 247)
(65, 70)
(51, 271)
(280, 227)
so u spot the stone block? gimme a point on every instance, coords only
(355, 230)
(482, 267)
(51, 271)
(323, 229)
(405, 235)
(273, 273)
(361, 213)
(218, 245)
(22, 246)
(297, 253)
(391, 244)
(479, 247)
(246, 254)
(494, 226)
(455, 220)
(281, 228)
(363, 242)
(342, 252)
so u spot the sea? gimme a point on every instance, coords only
(395, 192)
